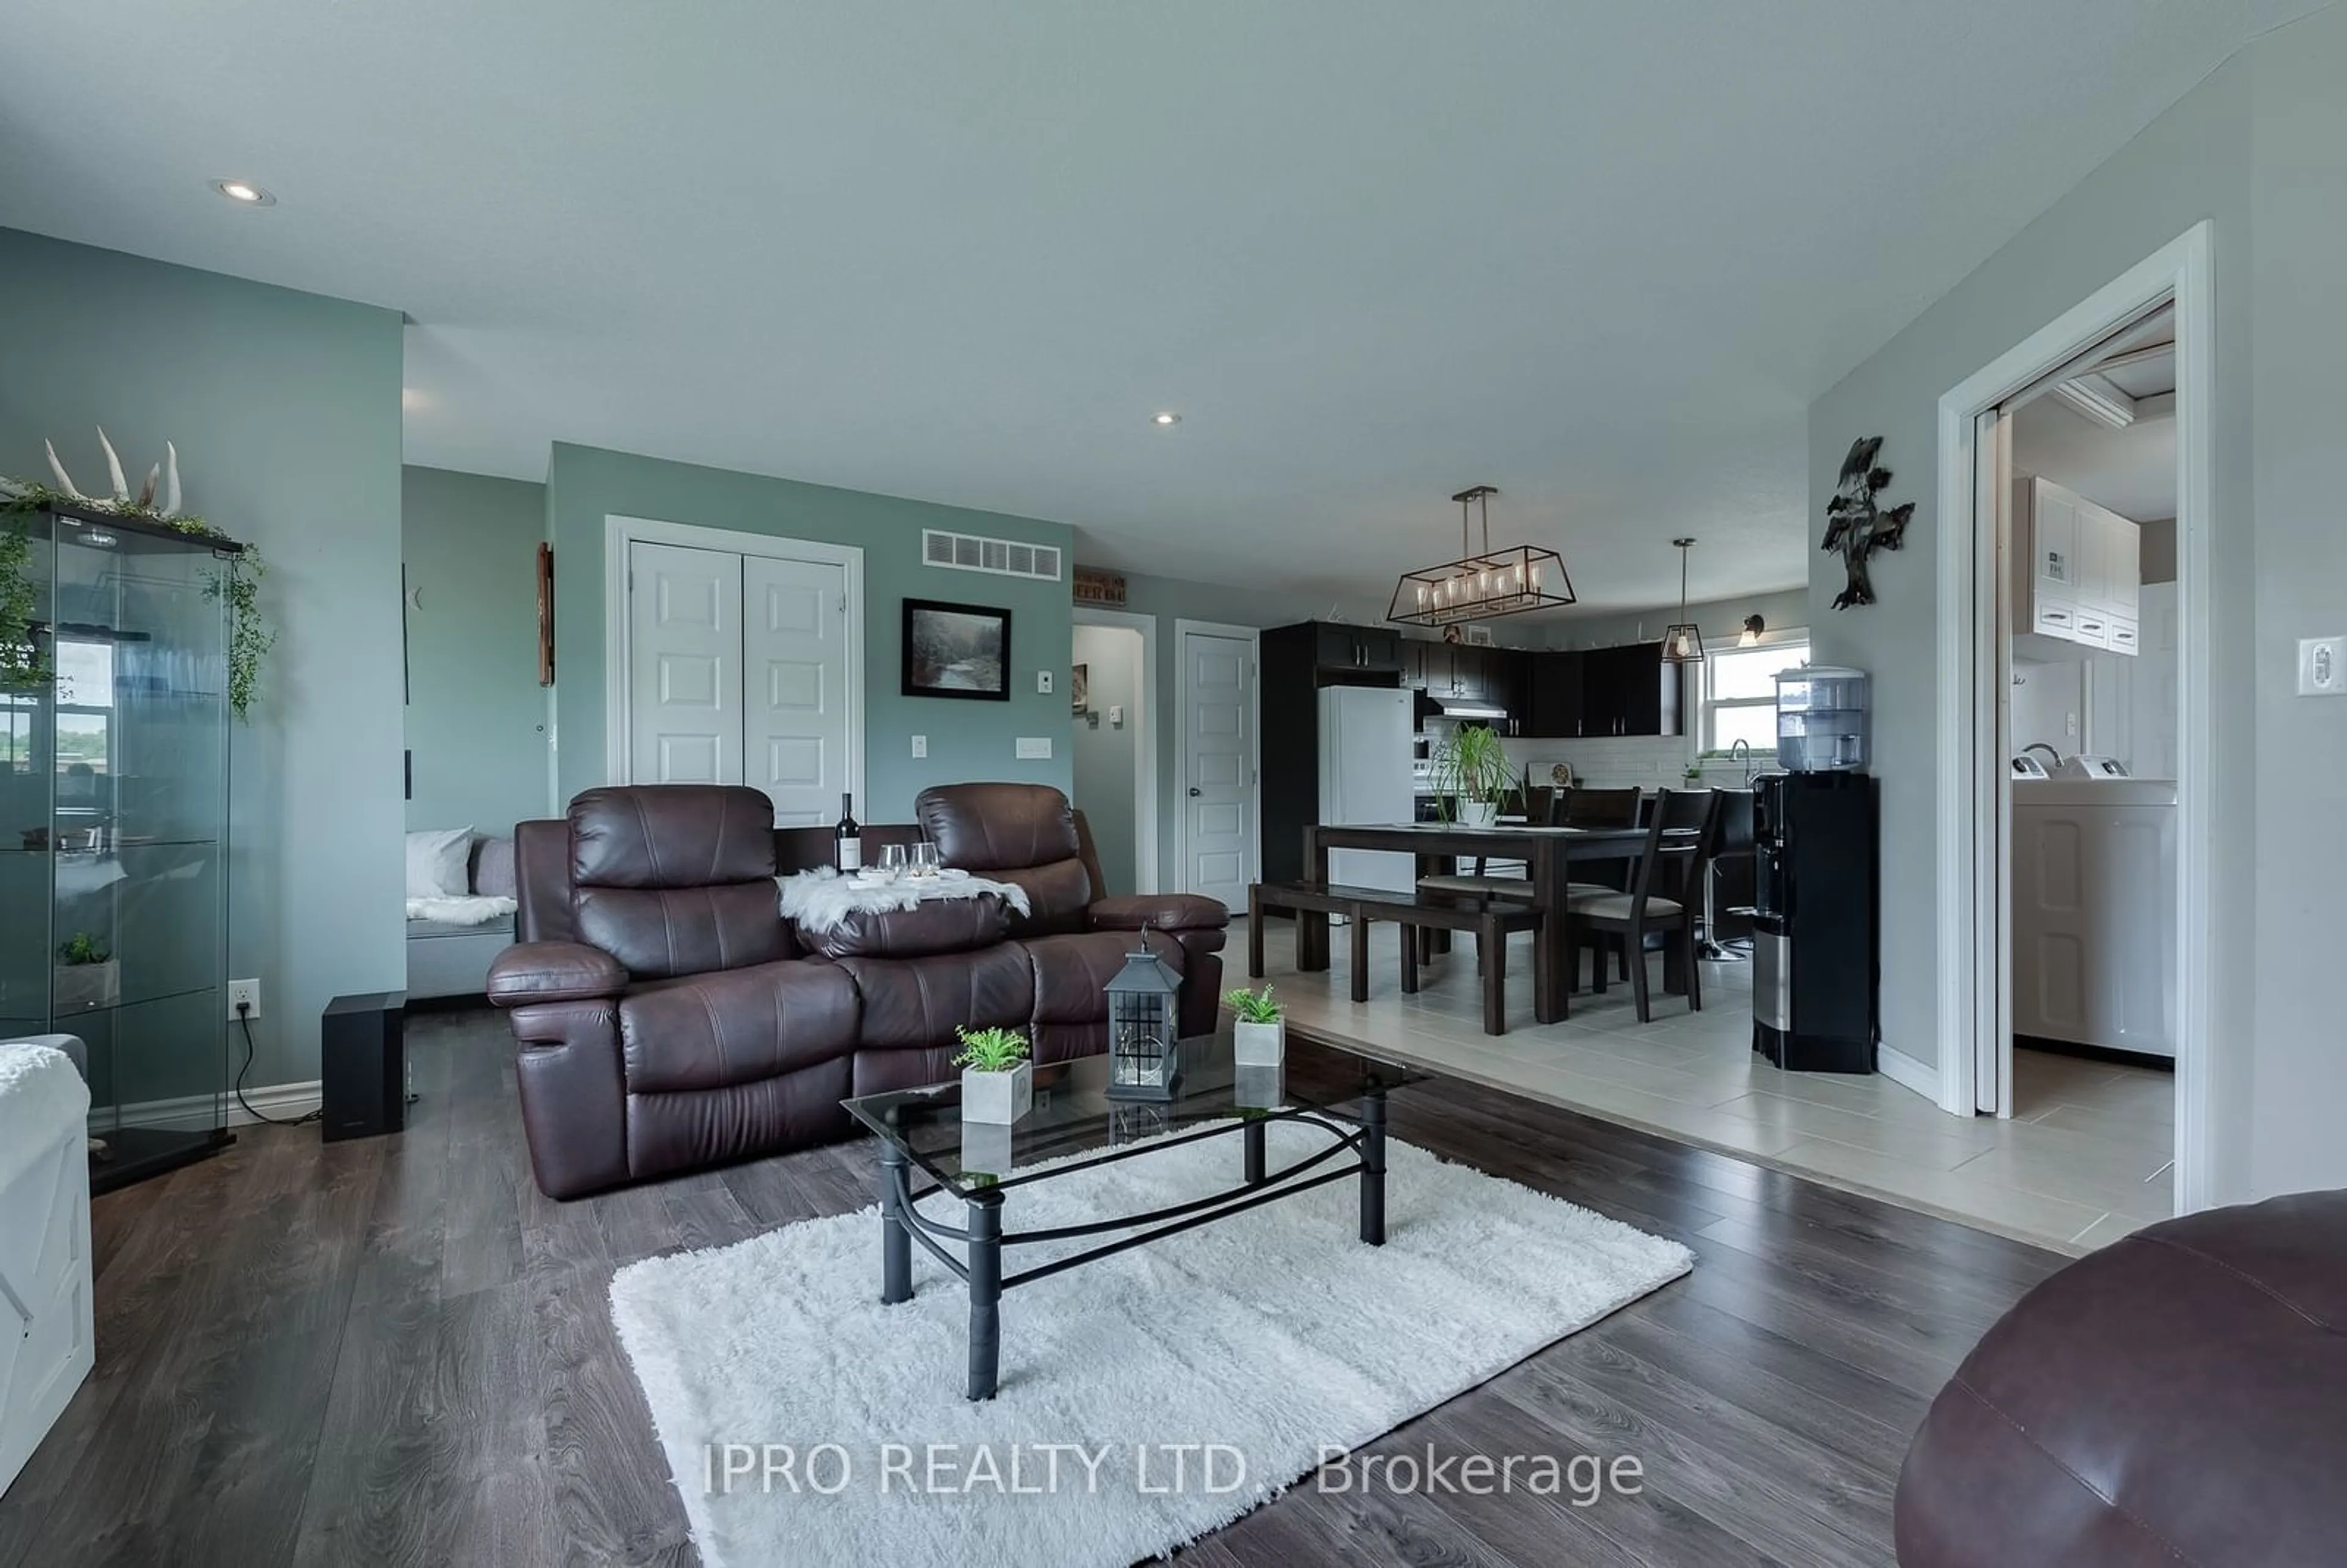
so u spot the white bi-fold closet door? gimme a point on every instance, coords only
(738, 673)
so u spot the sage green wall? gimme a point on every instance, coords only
(476, 716)
(1106, 757)
(285, 410)
(967, 741)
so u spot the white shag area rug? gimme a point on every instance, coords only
(804, 1423)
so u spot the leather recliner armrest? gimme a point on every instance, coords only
(1159, 912)
(530, 972)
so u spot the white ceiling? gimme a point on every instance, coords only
(2132, 469)
(1602, 255)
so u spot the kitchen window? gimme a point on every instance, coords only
(1739, 692)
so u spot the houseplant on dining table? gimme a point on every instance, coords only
(1471, 774)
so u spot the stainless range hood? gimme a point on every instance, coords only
(1430, 706)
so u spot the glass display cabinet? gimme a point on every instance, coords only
(114, 777)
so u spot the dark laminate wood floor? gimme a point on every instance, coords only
(398, 1351)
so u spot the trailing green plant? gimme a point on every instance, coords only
(1472, 763)
(249, 638)
(990, 1050)
(81, 947)
(1253, 1006)
(23, 664)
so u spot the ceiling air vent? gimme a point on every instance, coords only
(1004, 557)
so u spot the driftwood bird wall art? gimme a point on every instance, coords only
(1855, 526)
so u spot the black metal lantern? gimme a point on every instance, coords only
(1145, 1060)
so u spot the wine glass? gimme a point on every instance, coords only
(925, 859)
(892, 861)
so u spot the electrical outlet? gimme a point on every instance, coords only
(2322, 666)
(244, 994)
(920, 746)
(1043, 681)
(1033, 746)
(2069, 723)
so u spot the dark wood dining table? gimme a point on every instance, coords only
(1546, 852)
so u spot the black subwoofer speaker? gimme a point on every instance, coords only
(363, 1065)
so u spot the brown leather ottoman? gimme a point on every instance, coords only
(2179, 1397)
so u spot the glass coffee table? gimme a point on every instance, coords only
(1075, 1121)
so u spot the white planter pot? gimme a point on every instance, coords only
(77, 988)
(999, 1097)
(1479, 813)
(1258, 1044)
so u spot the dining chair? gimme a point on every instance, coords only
(1542, 805)
(1681, 833)
(1601, 808)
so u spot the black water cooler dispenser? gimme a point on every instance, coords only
(1815, 951)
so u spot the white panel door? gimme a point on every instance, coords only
(795, 725)
(684, 660)
(1218, 766)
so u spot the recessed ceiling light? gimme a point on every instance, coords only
(1168, 417)
(245, 192)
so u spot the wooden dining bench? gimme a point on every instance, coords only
(1490, 920)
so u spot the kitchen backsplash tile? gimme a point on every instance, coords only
(1649, 762)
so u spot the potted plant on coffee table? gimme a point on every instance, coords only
(998, 1080)
(86, 975)
(1260, 1035)
(1471, 769)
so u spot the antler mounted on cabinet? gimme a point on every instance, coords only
(167, 471)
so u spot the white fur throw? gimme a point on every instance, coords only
(822, 900)
(473, 909)
(41, 1100)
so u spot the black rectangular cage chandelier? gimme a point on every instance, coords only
(1480, 585)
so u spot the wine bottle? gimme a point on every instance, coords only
(848, 838)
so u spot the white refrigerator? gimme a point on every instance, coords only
(1365, 778)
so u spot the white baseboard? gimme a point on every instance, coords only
(194, 1112)
(1907, 1072)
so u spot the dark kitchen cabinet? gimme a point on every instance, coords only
(1630, 690)
(1356, 646)
(1420, 660)
(1293, 662)
(1553, 700)
(1627, 690)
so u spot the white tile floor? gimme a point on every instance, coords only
(2084, 1159)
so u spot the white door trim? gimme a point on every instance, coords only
(1252, 637)
(620, 532)
(1973, 782)
(1144, 720)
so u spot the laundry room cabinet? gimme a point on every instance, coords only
(2077, 569)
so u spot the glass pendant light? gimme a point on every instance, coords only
(1683, 638)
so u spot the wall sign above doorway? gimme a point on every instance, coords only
(1094, 585)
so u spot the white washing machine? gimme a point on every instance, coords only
(2094, 907)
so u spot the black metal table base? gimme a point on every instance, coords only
(981, 1269)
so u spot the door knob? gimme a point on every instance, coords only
(1194, 790)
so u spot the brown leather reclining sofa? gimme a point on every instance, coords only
(670, 1018)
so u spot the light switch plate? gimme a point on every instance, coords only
(1116, 716)
(1034, 746)
(920, 746)
(2322, 666)
(1043, 681)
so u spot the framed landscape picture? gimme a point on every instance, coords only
(957, 651)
